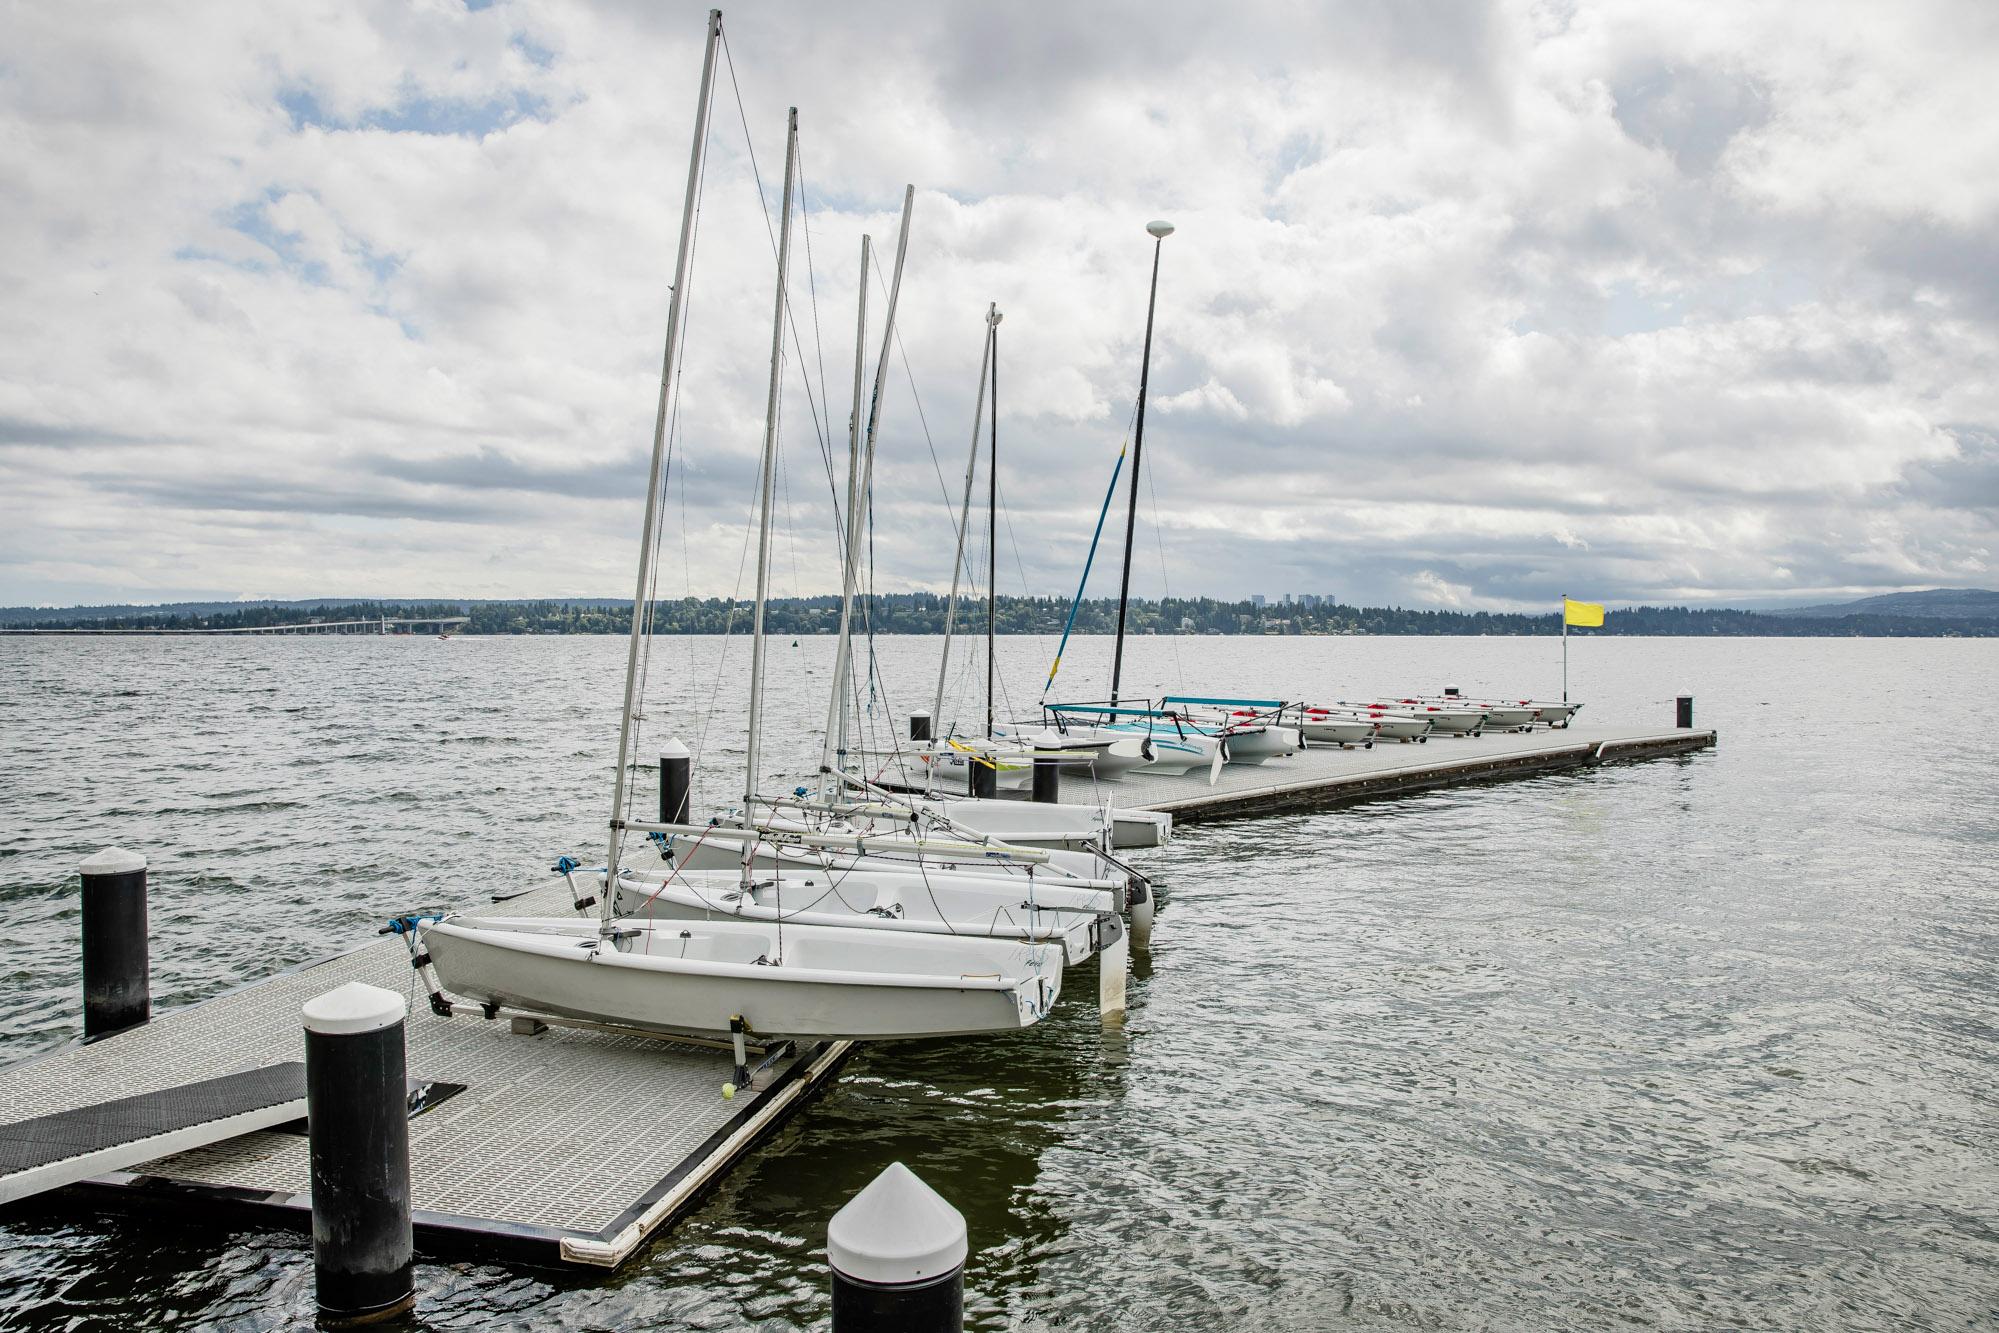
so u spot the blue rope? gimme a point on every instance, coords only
(406, 925)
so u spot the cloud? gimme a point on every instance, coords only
(1468, 300)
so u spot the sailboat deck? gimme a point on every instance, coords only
(565, 1144)
(1327, 775)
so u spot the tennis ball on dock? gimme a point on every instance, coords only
(728, 1092)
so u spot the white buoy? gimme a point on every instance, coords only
(898, 1256)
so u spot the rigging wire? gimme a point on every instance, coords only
(819, 349)
(922, 420)
(790, 315)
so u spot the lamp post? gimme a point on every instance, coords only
(1159, 231)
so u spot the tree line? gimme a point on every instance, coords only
(924, 613)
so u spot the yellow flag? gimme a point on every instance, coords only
(1581, 613)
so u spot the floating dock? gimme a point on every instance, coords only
(566, 1145)
(1326, 775)
(576, 1145)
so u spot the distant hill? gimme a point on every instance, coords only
(1954, 603)
(83, 615)
(923, 613)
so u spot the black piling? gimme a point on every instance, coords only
(985, 779)
(1683, 711)
(357, 1121)
(898, 1256)
(116, 975)
(919, 726)
(676, 782)
(1047, 781)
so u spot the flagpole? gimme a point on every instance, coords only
(1565, 647)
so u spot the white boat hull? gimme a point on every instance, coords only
(1255, 744)
(1107, 758)
(695, 854)
(954, 905)
(1458, 720)
(836, 983)
(1327, 729)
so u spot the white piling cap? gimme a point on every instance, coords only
(896, 1230)
(353, 1008)
(674, 749)
(1684, 694)
(113, 861)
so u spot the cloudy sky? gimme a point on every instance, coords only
(1470, 303)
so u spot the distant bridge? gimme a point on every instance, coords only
(378, 625)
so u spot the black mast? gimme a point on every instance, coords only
(992, 536)
(1160, 231)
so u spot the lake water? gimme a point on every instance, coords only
(1697, 1043)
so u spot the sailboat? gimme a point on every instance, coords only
(1255, 728)
(718, 977)
(1174, 742)
(1447, 717)
(1080, 920)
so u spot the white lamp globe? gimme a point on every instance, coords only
(1160, 229)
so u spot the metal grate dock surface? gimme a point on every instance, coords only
(566, 1143)
(1325, 774)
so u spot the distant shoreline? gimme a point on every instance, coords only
(924, 613)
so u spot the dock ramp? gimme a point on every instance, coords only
(50, 1151)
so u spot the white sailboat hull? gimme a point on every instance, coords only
(1255, 744)
(1107, 758)
(834, 982)
(1508, 717)
(1455, 720)
(1333, 730)
(696, 855)
(937, 904)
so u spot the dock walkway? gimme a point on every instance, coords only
(566, 1144)
(1327, 775)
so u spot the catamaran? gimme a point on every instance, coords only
(1253, 728)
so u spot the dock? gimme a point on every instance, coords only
(567, 1145)
(1328, 775)
(575, 1145)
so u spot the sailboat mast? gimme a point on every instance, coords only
(675, 304)
(992, 534)
(964, 515)
(858, 508)
(767, 484)
(1160, 231)
(833, 753)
